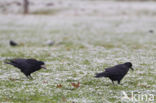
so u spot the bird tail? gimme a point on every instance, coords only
(99, 75)
(7, 61)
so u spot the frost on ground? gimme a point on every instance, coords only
(89, 36)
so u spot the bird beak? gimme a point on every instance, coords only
(132, 68)
(43, 66)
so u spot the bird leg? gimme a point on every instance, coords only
(112, 82)
(27, 77)
(118, 81)
(30, 77)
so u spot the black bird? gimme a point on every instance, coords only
(116, 73)
(151, 31)
(13, 43)
(27, 66)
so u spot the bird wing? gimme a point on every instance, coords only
(34, 66)
(116, 70)
(19, 63)
(31, 61)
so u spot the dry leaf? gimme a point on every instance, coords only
(45, 82)
(75, 85)
(59, 86)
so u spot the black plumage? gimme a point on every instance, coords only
(27, 66)
(116, 73)
(13, 43)
(151, 31)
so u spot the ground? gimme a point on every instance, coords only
(89, 36)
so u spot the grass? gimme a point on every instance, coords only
(46, 12)
(84, 45)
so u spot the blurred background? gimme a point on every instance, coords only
(50, 6)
